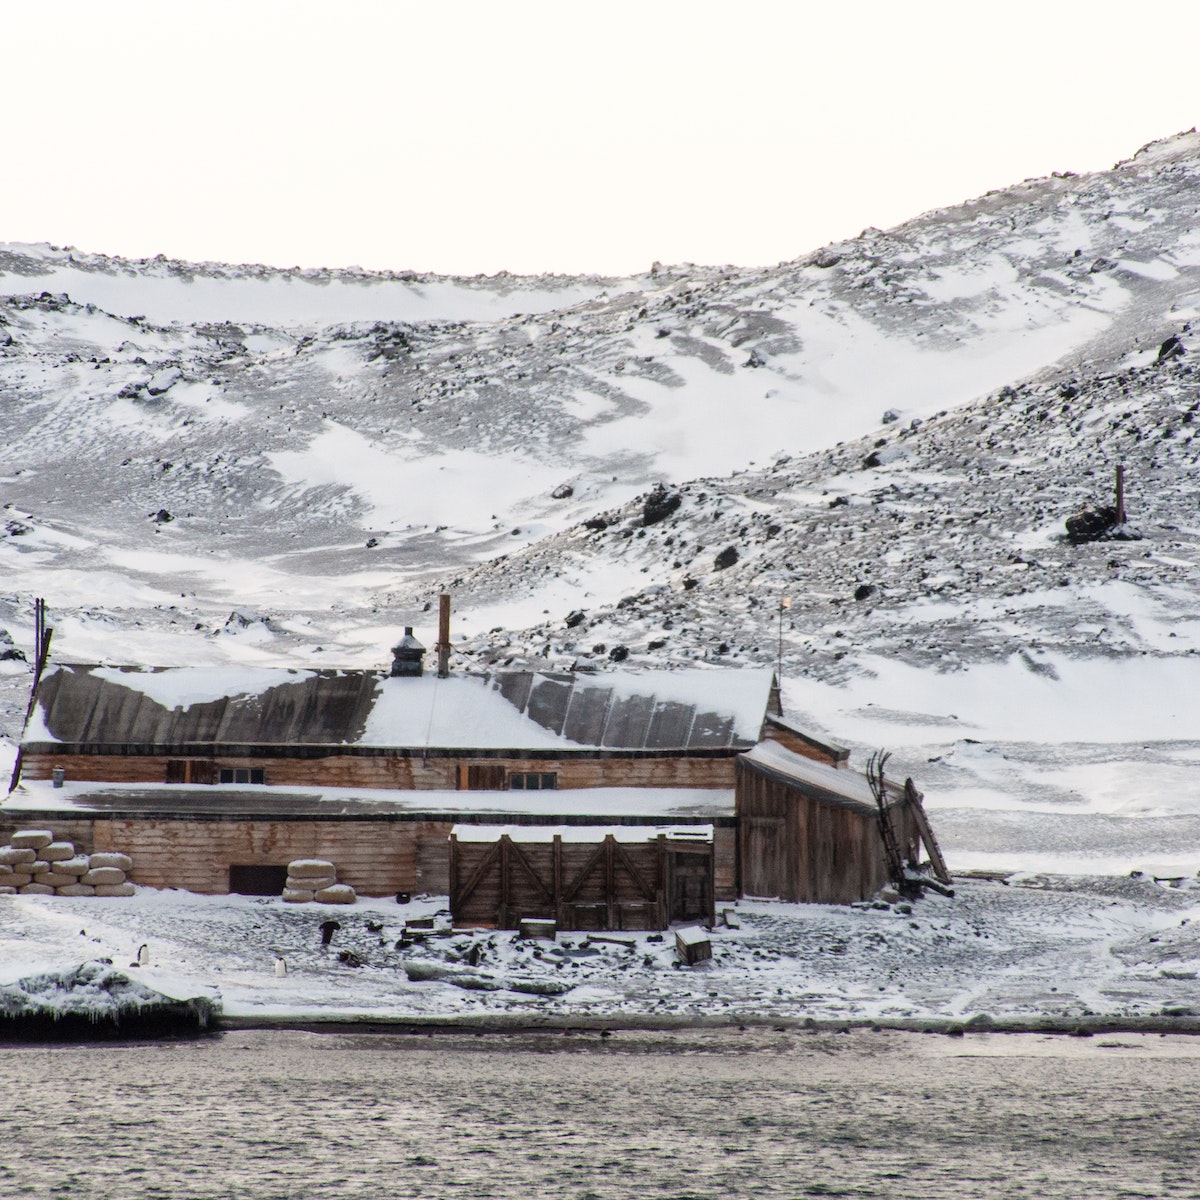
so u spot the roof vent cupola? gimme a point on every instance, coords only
(407, 655)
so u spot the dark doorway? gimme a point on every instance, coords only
(257, 881)
(690, 896)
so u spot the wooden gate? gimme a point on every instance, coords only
(588, 879)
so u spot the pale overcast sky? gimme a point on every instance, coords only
(570, 136)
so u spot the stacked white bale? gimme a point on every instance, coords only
(23, 854)
(31, 839)
(68, 871)
(337, 893)
(34, 864)
(54, 855)
(106, 873)
(315, 879)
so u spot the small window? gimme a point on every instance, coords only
(533, 781)
(243, 775)
(481, 777)
(189, 770)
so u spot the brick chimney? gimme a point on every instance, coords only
(407, 655)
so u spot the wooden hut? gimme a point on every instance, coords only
(226, 839)
(811, 832)
(497, 730)
(581, 877)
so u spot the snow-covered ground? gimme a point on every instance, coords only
(1078, 949)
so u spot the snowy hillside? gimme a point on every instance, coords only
(890, 430)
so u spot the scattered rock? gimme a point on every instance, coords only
(1098, 523)
(619, 653)
(1171, 348)
(659, 505)
(564, 491)
(725, 559)
(863, 591)
(575, 618)
(8, 651)
(162, 381)
(824, 258)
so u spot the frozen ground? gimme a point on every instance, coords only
(1077, 949)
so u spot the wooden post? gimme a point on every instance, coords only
(504, 880)
(610, 881)
(443, 644)
(784, 602)
(661, 918)
(1120, 493)
(560, 908)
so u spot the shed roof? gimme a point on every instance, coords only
(830, 785)
(79, 704)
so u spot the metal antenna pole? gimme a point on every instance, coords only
(784, 602)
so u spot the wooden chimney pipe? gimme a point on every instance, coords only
(443, 642)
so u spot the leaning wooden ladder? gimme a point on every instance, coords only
(891, 849)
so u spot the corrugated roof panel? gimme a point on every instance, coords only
(670, 725)
(712, 729)
(629, 722)
(587, 714)
(548, 701)
(518, 709)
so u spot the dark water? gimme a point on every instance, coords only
(715, 1114)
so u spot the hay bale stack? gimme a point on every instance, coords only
(31, 839)
(55, 880)
(111, 889)
(107, 876)
(34, 864)
(111, 858)
(77, 889)
(5, 890)
(315, 879)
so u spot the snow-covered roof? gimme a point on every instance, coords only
(582, 833)
(561, 806)
(518, 710)
(829, 784)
